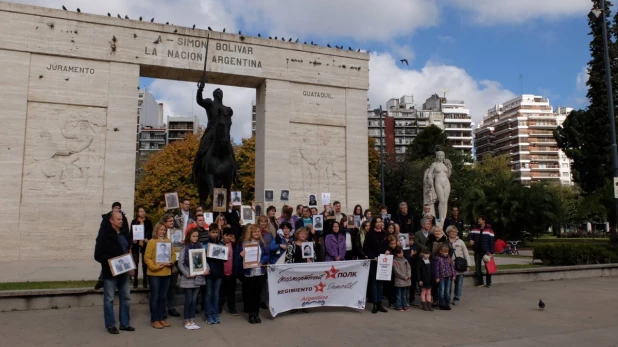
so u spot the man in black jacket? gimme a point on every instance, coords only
(404, 219)
(114, 242)
(116, 206)
(456, 220)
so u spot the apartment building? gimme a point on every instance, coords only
(402, 122)
(179, 127)
(522, 128)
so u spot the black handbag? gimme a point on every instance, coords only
(461, 264)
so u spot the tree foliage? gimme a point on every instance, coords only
(373, 164)
(168, 171)
(245, 159)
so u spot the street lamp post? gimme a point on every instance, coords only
(597, 14)
(382, 157)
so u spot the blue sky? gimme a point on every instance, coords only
(473, 49)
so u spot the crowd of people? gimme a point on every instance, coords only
(432, 261)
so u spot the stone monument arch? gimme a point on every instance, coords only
(69, 118)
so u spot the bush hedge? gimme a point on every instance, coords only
(575, 254)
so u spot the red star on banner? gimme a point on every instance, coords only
(385, 260)
(320, 287)
(332, 273)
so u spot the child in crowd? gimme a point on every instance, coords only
(213, 281)
(384, 214)
(254, 277)
(231, 268)
(413, 255)
(444, 271)
(402, 272)
(389, 287)
(425, 279)
(191, 283)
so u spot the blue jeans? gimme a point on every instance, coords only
(123, 283)
(376, 290)
(401, 295)
(444, 291)
(211, 297)
(158, 293)
(190, 302)
(458, 286)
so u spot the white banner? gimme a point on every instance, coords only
(339, 283)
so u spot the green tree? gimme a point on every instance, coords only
(373, 163)
(245, 159)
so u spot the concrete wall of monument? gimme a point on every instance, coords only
(49, 31)
(63, 152)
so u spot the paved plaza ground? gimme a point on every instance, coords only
(578, 313)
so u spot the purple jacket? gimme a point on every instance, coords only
(444, 267)
(335, 247)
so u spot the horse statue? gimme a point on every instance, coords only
(214, 165)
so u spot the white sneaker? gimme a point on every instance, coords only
(195, 326)
(188, 326)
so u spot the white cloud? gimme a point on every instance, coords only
(178, 100)
(358, 19)
(491, 12)
(582, 79)
(387, 81)
(446, 39)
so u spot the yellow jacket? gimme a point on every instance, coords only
(150, 258)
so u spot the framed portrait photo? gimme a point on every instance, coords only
(252, 255)
(269, 195)
(177, 236)
(313, 200)
(318, 222)
(404, 241)
(308, 252)
(219, 203)
(197, 261)
(208, 218)
(237, 198)
(258, 208)
(121, 264)
(163, 253)
(247, 214)
(285, 195)
(171, 201)
(138, 232)
(217, 251)
(351, 222)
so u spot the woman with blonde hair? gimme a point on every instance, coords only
(254, 277)
(159, 275)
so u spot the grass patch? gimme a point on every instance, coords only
(513, 256)
(46, 285)
(515, 267)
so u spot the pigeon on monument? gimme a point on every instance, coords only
(404, 61)
(209, 28)
(290, 40)
(223, 29)
(358, 50)
(109, 14)
(126, 17)
(282, 38)
(297, 40)
(275, 37)
(64, 8)
(239, 32)
(175, 30)
(119, 16)
(270, 37)
(140, 18)
(78, 10)
(167, 23)
(541, 305)
(350, 49)
(328, 45)
(259, 35)
(152, 20)
(193, 26)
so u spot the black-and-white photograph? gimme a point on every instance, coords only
(258, 207)
(220, 203)
(121, 264)
(171, 201)
(138, 232)
(318, 223)
(236, 198)
(404, 241)
(247, 214)
(176, 235)
(351, 222)
(163, 252)
(198, 261)
(307, 249)
(313, 200)
(285, 195)
(269, 195)
(208, 218)
(217, 251)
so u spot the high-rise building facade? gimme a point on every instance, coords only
(522, 128)
(179, 127)
(402, 122)
(151, 132)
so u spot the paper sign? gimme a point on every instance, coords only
(385, 267)
(208, 218)
(252, 253)
(325, 198)
(138, 232)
